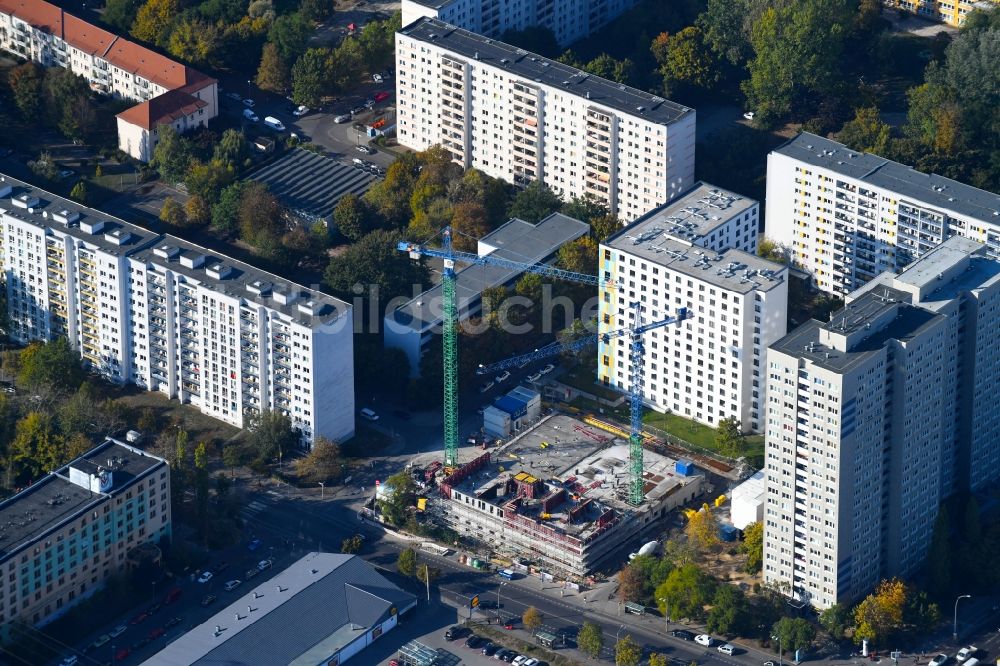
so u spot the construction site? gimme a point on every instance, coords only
(558, 495)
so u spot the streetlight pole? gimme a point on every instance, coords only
(778, 638)
(498, 599)
(322, 490)
(249, 91)
(954, 626)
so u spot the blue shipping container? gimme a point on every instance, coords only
(684, 467)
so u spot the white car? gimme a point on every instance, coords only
(249, 102)
(118, 631)
(703, 639)
(519, 660)
(377, 78)
(530, 661)
(233, 95)
(502, 377)
(547, 369)
(264, 564)
(748, 115)
(300, 110)
(232, 585)
(965, 653)
(205, 577)
(250, 115)
(939, 660)
(535, 377)
(726, 648)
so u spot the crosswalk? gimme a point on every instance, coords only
(252, 509)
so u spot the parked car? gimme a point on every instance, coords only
(250, 115)
(66, 173)
(380, 96)
(530, 661)
(377, 78)
(519, 659)
(205, 577)
(965, 653)
(455, 632)
(264, 564)
(683, 634)
(502, 377)
(473, 642)
(100, 641)
(364, 149)
(138, 618)
(547, 369)
(748, 115)
(139, 644)
(358, 109)
(71, 660)
(274, 124)
(369, 414)
(122, 654)
(233, 95)
(251, 573)
(220, 567)
(726, 648)
(249, 102)
(232, 585)
(486, 387)
(939, 660)
(172, 595)
(118, 631)
(703, 639)
(370, 102)
(300, 110)
(173, 622)
(207, 599)
(156, 633)
(254, 544)
(534, 377)
(499, 654)
(511, 656)
(490, 648)
(342, 118)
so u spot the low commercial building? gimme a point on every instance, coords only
(510, 413)
(410, 326)
(747, 501)
(324, 609)
(952, 12)
(167, 92)
(558, 495)
(521, 117)
(63, 536)
(569, 20)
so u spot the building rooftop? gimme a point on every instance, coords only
(698, 212)
(516, 240)
(733, 270)
(301, 616)
(240, 280)
(434, 4)
(751, 490)
(579, 473)
(938, 191)
(44, 209)
(163, 109)
(54, 500)
(532, 67)
(310, 185)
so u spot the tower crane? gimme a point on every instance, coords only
(450, 318)
(636, 349)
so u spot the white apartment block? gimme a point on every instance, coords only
(569, 20)
(520, 117)
(168, 92)
(174, 317)
(709, 367)
(874, 418)
(845, 217)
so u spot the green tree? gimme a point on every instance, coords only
(26, 84)
(76, 413)
(374, 261)
(772, 251)
(225, 213)
(207, 179)
(585, 208)
(724, 24)
(795, 633)
(401, 495)
(79, 192)
(147, 422)
(835, 620)
(532, 619)
(233, 150)
(607, 67)
(154, 21)
(316, 10)
(534, 202)
(579, 256)
(427, 574)
(310, 76)
(37, 447)
(172, 155)
(352, 545)
(601, 228)
(44, 166)
(730, 613)
(290, 34)
(627, 651)
(753, 547)
(530, 287)
(350, 217)
(233, 456)
(120, 14)
(867, 132)
(590, 639)
(687, 59)
(475, 187)
(406, 563)
(173, 213)
(273, 73)
(194, 40)
(260, 216)
(470, 221)
(658, 659)
(685, 593)
(270, 435)
(729, 437)
(51, 364)
(322, 463)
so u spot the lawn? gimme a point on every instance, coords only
(583, 377)
(700, 435)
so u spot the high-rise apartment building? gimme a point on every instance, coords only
(521, 117)
(569, 20)
(174, 317)
(876, 416)
(167, 92)
(711, 366)
(62, 537)
(845, 217)
(952, 12)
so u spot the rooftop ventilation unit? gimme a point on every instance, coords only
(118, 237)
(259, 287)
(218, 271)
(66, 216)
(92, 226)
(194, 260)
(25, 201)
(167, 252)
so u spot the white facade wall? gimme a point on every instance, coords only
(518, 130)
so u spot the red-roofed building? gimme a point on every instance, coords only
(169, 92)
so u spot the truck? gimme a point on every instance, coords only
(274, 124)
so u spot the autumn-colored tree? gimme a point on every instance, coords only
(631, 584)
(948, 139)
(658, 659)
(686, 59)
(685, 593)
(194, 40)
(880, 614)
(867, 132)
(272, 74)
(322, 463)
(703, 529)
(532, 618)
(197, 210)
(79, 192)
(590, 639)
(37, 447)
(154, 21)
(579, 256)
(753, 547)
(772, 251)
(470, 221)
(26, 84)
(173, 213)
(627, 651)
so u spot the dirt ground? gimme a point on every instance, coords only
(200, 427)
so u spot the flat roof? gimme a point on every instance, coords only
(54, 500)
(303, 615)
(698, 212)
(516, 240)
(243, 281)
(733, 270)
(931, 189)
(533, 67)
(433, 4)
(589, 464)
(310, 185)
(115, 236)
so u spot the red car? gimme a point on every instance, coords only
(380, 96)
(122, 654)
(173, 594)
(156, 633)
(138, 619)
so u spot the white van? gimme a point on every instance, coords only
(274, 124)
(369, 414)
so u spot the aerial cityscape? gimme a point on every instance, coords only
(539, 332)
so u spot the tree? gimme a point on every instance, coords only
(76, 413)
(310, 76)
(225, 213)
(703, 529)
(147, 423)
(154, 20)
(753, 547)
(50, 364)
(272, 74)
(194, 40)
(400, 496)
(627, 652)
(579, 256)
(427, 574)
(475, 187)
(794, 633)
(79, 192)
(530, 287)
(290, 33)
(534, 202)
(724, 26)
(729, 437)
(470, 221)
(374, 261)
(172, 154)
(233, 150)
(316, 10)
(44, 166)
(772, 251)
(173, 213)
(685, 593)
(867, 133)
(260, 216)
(233, 456)
(590, 639)
(532, 618)
(270, 434)
(880, 614)
(350, 216)
(835, 620)
(322, 463)
(406, 563)
(619, 71)
(120, 14)
(26, 85)
(730, 613)
(37, 447)
(658, 659)
(197, 210)
(631, 584)
(351, 545)
(686, 58)
(207, 179)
